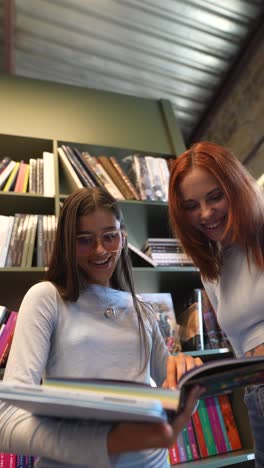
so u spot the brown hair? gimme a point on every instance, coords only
(245, 223)
(63, 270)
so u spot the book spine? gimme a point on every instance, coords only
(230, 422)
(25, 178)
(11, 460)
(32, 241)
(40, 255)
(215, 425)
(32, 176)
(11, 253)
(6, 173)
(207, 429)
(20, 462)
(174, 454)
(4, 162)
(134, 193)
(4, 318)
(11, 179)
(181, 446)
(3, 460)
(187, 444)
(197, 425)
(6, 227)
(222, 422)
(90, 168)
(193, 442)
(8, 330)
(70, 175)
(21, 238)
(47, 173)
(109, 168)
(27, 228)
(77, 166)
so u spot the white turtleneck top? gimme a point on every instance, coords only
(238, 299)
(58, 338)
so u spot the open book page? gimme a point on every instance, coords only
(220, 376)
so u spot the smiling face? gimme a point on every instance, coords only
(205, 203)
(98, 264)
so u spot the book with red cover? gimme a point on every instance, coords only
(7, 334)
(230, 422)
(174, 454)
(198, 429)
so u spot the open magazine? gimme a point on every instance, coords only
(127, 401)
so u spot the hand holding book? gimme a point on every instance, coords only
(177, 366)
(129, 437)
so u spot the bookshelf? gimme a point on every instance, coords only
(143, 219)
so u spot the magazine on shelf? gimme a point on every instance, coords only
(162, 305)
(127, 401)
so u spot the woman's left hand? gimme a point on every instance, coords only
(177, 366)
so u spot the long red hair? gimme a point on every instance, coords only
(245, 224)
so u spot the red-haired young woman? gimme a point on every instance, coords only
(216, 209)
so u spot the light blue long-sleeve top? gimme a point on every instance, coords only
(58, 338)
(238, 299)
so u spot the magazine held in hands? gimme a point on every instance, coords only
(127, 401)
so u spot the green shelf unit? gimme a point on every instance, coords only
(22, 148)
(12, 202)
(207, 354)
(242, 457)
(14, 283)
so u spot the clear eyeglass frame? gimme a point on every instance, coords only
(88, 242)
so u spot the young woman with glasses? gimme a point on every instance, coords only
(85, 320)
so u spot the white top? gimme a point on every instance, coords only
(238, 299)
(58, 338)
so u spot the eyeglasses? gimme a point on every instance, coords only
(112, 241)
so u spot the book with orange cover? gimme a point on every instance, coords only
(230, 422)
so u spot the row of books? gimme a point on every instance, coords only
(212, 430)
(10, 460)
(166, 252)
(26, 240)
(7, 327)
(195, 327)
(36, 176)
(146, 177)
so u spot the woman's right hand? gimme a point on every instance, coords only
(131, 437)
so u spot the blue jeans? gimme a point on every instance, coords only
(254, 399)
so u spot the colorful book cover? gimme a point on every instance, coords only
(230, 422)
(164, 310)
(216, 425)
(197, 425)
(193, 442)
(222, 422)
(207, 429)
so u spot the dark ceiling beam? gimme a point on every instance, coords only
(230, 80)
(9, 26)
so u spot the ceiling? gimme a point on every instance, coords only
(179, 50)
